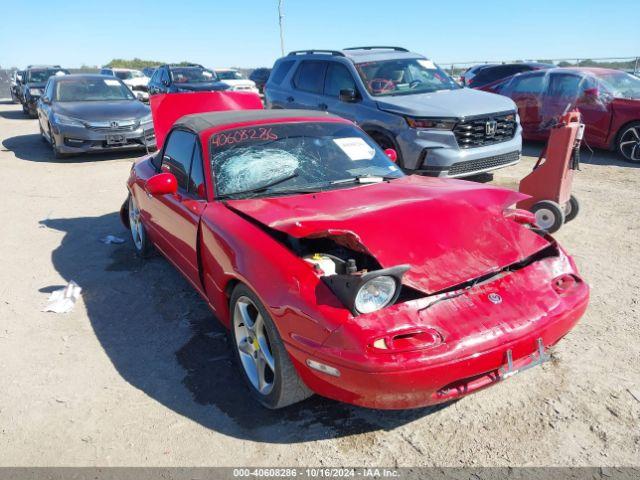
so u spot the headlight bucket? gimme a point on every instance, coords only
(349, 288)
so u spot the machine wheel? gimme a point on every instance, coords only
(571, 209)
(629, 142)
(549, 215)
(260, 353)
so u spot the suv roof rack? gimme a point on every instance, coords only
(43, 66)
(335, 53)
(397, 49)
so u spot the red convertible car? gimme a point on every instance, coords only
(609, 101)
(337, 274)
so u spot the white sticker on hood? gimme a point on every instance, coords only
(355, 148)
(112, 83)
(427, 63)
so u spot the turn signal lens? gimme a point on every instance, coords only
(564, 284)
(408, 340)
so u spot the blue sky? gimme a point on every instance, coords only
(245, 33)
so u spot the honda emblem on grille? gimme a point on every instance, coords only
(490, 128)
(115, 124)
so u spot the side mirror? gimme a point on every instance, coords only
(165, 83)
(392, 154)
(591, 93)
(348, 95)
(161, 184)
(45, 100)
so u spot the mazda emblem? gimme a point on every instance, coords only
(495, 298)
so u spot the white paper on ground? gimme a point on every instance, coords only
(63, 300)
(355, 148)
(111, 239)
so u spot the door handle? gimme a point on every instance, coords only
(290, 99)
(323, 106)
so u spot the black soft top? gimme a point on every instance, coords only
(199, 122)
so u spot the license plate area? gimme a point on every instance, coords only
(116, 140)
(536, 358)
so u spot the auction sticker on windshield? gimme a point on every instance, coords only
(112, 83)
(355, 148)
(427, 63)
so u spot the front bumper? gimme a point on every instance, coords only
(70, 139)
(482, 343)
(436, 153)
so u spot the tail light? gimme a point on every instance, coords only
(407, 340)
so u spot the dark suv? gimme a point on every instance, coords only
(184, 78)
(34, 79)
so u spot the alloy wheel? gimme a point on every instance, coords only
(254, 346)
(629, 144)
(135, 224)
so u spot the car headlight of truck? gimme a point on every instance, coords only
(146, 119)
(68, 121)
(36, 92)
(431, 123)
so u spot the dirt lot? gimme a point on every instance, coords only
(140, 373)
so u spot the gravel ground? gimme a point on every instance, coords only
(140, 373)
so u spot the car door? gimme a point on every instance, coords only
(527, 92)
(308, 83)
(594, 103)
(175, 217)
(44, 106)
(338, 77)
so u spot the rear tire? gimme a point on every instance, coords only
(141, 242)
(571, 209)
(549, 215)
(260, 353)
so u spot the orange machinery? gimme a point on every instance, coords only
(549, 184)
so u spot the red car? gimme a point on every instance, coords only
(339, 275)
(609, 101)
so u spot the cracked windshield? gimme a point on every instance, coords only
(295, 158)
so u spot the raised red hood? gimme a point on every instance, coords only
(169, 107)
(448, 231)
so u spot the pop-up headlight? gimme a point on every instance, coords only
(367, 292)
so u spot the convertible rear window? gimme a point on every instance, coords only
(297, 157)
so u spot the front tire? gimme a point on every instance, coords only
(628, 144)
(260, 353)
(549, 215)
(54, 147)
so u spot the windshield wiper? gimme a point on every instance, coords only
(262, 188)
(364, 179)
